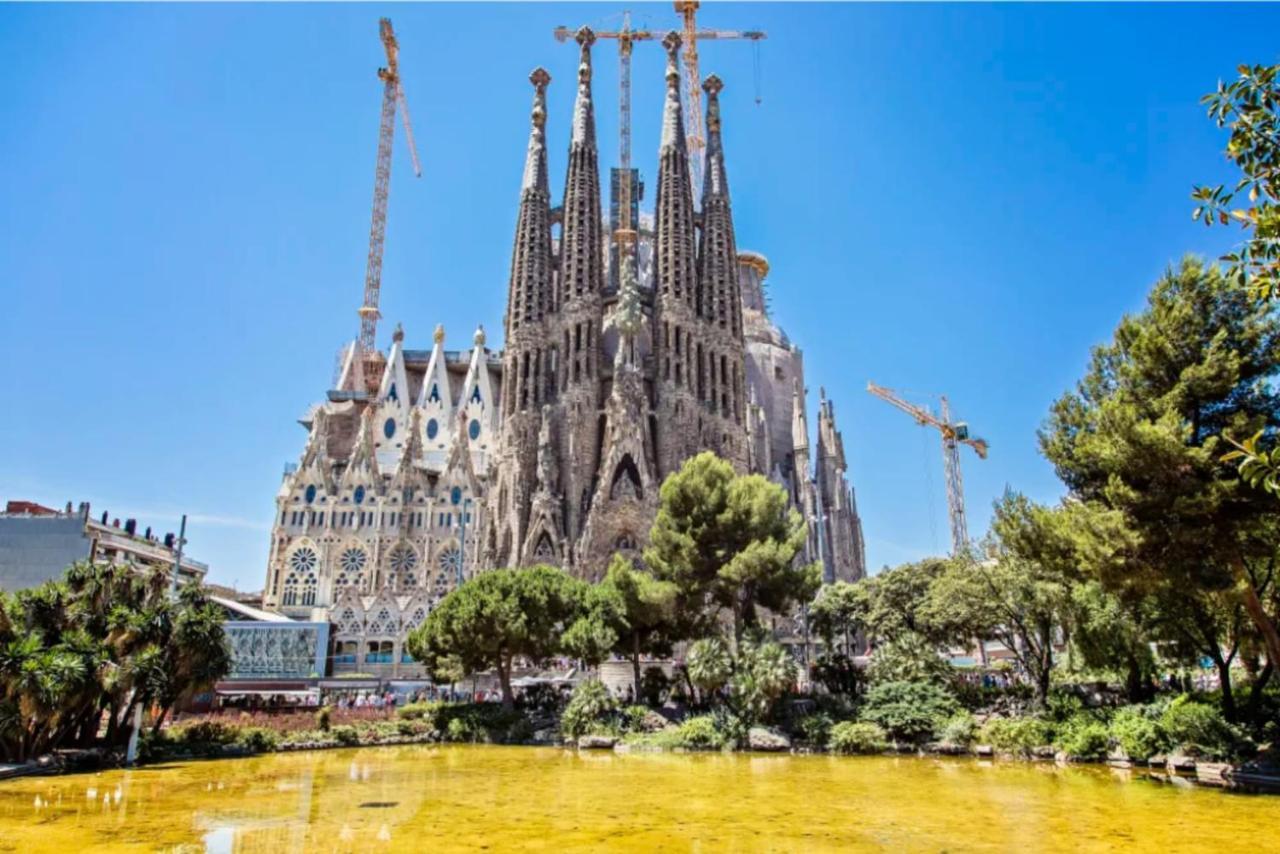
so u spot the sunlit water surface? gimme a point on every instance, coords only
(496, 798)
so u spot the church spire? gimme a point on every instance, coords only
(674, 214)
(720, 299)
(529, 296)
(581, 259)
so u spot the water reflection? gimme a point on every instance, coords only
(416, 798)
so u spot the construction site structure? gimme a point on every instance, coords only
(365, 351)
(696, 141)
(954, 434)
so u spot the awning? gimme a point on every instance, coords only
(256, 692)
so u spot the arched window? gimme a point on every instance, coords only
(351, 564)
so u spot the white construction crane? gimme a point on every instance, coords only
(954, 434)
(392, 95)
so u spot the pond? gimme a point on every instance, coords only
(496, 798)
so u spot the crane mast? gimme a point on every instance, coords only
(627, 37)
(392, 95)
(954, 434)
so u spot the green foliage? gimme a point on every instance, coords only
(1015, 735)
(1164, 524)
(427, 710)
(908, 657)
(495, 617)
(857, 737)
(205, 732)
(959, 730)
(1197, 728)
(589, 710)
(1258, 467)
(629, 613)
(1083, 737)
(487, 723)
(258, 739)
(840, 612)
(703, 732)
(653, 686)
(762, 672)
(908, 711)
(1137, 734)
(728, 540)
(323, 718)
(1250, 107)
(104, 638)
(345, 735)
(838, 674)
(814, 729)
(709, 664)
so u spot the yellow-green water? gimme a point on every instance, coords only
(499, 798)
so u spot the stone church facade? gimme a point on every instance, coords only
(552, 450)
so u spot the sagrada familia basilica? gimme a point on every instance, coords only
(617, 366)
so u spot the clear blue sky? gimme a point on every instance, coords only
(953, 199)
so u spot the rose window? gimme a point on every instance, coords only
(304, 560)
(450, 562)
(403, 559)
(351, 565)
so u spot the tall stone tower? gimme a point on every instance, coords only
(581, 311)
(843, 553)
(698, 382)
(530, 359)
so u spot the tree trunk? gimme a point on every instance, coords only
(1259, 685)
(1257, 612)
(635, 665)
(164, 713)
(504, 677)
(1224, 678)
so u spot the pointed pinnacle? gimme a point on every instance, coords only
(671, 42)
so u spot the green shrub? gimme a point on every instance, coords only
(519, 732)
(653, 686)
(258, 739)
(1197, 727)
(700, 733)
(206, 732)
(1138, 735)
(857, 737)
(1015, 735)
(424, 711)
(588, 711)
(815, 729)
(324, 719)
(959, 730)
(457, 730)
(1083, 737)
(908, 711)
(345, 735)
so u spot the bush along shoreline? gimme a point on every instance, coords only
(1173, 735)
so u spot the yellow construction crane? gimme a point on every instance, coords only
(954, 434)
(688, 10)
(392, 96)
(626, 38)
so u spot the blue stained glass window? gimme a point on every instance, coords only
(359, 495)
(391, 394)
(311, 493)
(456, 495)
(389, 428)
(475, 395)
(473, 429)
(434, 397)
(433, 427)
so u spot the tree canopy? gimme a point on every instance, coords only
(729, 543)
(496, 617)
(1140, 443)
